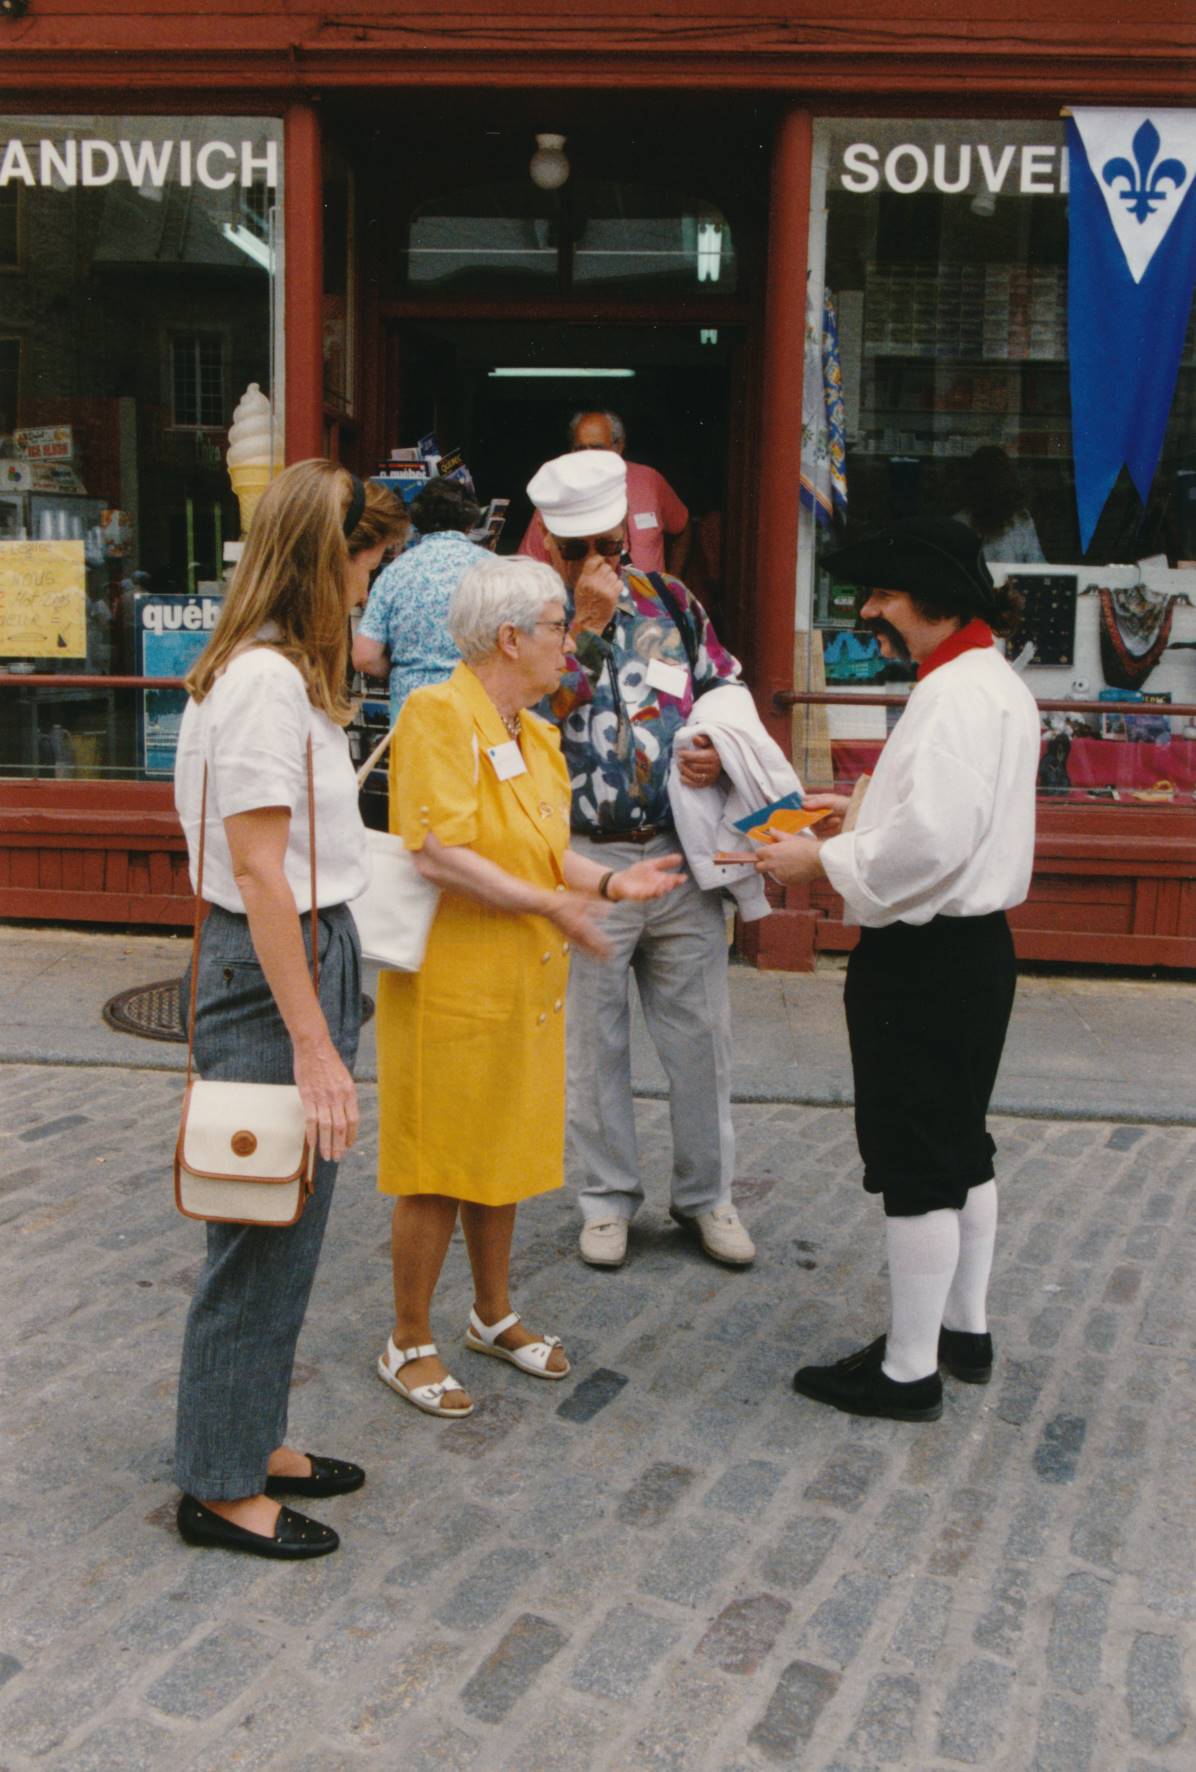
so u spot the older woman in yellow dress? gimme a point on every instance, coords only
(471, 1048)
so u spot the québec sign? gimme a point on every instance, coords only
(173, 614)
(1032, 169)
(216, 165)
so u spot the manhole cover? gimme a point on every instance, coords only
(155, 1011)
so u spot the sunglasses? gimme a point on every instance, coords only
(609, 546)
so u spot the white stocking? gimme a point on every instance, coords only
(965, 1307)
(923, 1254)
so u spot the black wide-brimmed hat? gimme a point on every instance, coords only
(925, 556)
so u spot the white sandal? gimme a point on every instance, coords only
(533, 1357)
(428, 1397)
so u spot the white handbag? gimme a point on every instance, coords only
(242, 1155)
(395, 912)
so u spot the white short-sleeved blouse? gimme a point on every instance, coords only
(252, 730)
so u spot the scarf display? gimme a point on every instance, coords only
(824, 418)
(1135, 626)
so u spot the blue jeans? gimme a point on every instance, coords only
(249, 1304)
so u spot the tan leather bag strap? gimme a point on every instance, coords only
(200, 909)
(375, 756)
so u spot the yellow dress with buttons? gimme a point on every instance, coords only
(471, 1049)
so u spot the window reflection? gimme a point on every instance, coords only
(137, 257)
(654, 239)
(502, 238)
(510, 238)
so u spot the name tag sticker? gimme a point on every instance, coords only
(671, 679)
(645, 520)
(507, 759)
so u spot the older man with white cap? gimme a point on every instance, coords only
(658, 525)
(643, 650)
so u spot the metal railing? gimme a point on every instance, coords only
(57, 680)
(786, 699)
(783, 701)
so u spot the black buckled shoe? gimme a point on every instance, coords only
(329, 1476)
(858, 1386)
(965, 1356)
(295, 1535)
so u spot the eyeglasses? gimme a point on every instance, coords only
(559, 628)
(607, 545)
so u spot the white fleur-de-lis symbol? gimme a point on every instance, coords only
(1146, 183)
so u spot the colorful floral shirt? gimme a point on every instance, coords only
(617, 729)
(408, 608)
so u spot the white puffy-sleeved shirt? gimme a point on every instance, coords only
(947, 824)
(252, 730)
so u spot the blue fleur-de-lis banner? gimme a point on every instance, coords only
(1131, 272)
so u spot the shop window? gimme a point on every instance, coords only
(943, 247)
(198, 398)
(937, 352)
(143, 304)
(502, 238)
(647, 239)
(626, 239)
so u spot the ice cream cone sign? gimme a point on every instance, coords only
(254, 451)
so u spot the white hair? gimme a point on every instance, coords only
(494, 592)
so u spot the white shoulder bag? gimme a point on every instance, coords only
(242, 1155)
(395, 912)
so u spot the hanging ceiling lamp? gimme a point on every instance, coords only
(549, 167)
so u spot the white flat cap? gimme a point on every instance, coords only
(581, 494)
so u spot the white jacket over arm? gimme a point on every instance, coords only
(756, 772)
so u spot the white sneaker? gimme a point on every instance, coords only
(721, 1234)
(604, 1244)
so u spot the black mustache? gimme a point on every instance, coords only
(876, 624)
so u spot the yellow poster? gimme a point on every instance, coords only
(43, 599)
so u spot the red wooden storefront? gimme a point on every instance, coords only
(1113, 883)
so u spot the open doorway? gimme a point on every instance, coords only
(453, 257)
(503, 391)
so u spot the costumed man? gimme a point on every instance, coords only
(943, 846)
(658, 526)
(642, 649)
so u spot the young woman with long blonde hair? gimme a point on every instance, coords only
(270, 683)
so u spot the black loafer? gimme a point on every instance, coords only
(858, 1386)
(329, 1476)
(295, 1535)
(966, 1357)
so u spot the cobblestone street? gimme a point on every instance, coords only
(668, 1561)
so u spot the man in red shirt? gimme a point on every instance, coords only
(654, 512)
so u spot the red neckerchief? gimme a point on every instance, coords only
(977, 633)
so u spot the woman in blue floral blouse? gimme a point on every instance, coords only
(403, 632)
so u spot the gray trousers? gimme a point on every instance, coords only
(250, 1300)
(677, 949)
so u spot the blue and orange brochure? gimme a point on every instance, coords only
(783, 818)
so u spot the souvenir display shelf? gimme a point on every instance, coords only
(959, 355)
